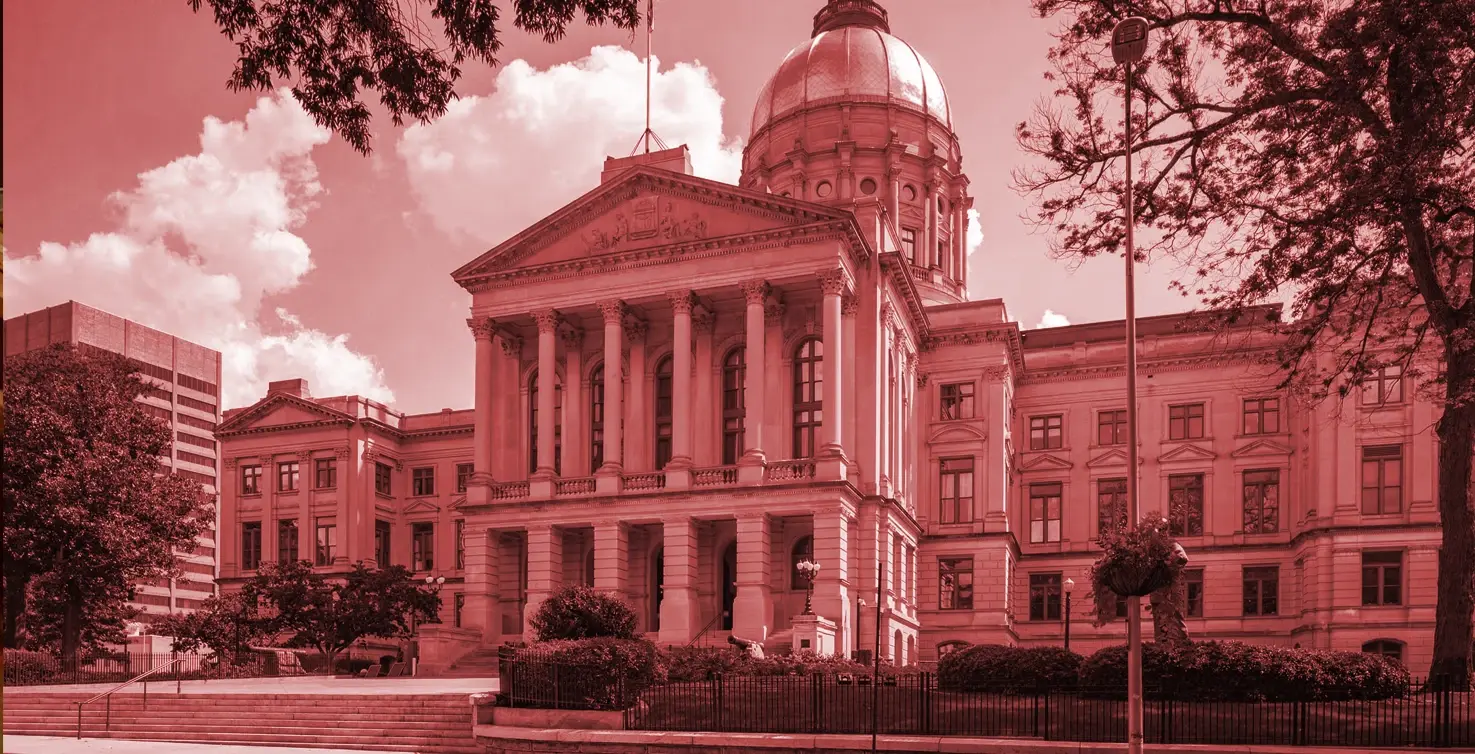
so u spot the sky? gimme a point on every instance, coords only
(139, 184)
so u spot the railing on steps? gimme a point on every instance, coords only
(144, 676)
(706, 628)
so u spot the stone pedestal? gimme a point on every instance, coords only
(813, 633)
(440, 645)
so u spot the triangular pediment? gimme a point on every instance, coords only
(958, 433)
(644, 209)
(422, 506)
(281, 410)
(1187, 453)
(1109, 457)
(458, 503)
(1043, 462)
(1261, 448)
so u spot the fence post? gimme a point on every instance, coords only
(717, 694)
(1047, 714)
(1034, 712)
(557, 697)
(924, 694)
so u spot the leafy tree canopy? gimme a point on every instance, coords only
(409, 51)
(1318, 151)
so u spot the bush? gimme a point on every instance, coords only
(24, 667)
(1002, 668)
(579, 612)
(602, 673)
(1236, 671)
(686, 664)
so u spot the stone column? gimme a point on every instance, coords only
(547, 385)
(778, 390)
(607, 481)
(960, 239)
(706, 442)
(638, 447)
(752, 607)
(305, 484)
(678, 471)
(832, 455)
(994, 492)
(483, 329)
(886, 393)
(481, 590)
(754, 378)
(893, 202)
(268, 508)
(545, 570)
(612, 557)
(831, 590)
(848, 308)
(575, 442)
(507, 419)
(929, 224)
(679, 607)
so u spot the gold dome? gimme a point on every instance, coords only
(852, 57)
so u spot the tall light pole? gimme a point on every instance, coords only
(1069, 585)
(1128, 45)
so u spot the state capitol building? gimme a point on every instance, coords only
(684, 387)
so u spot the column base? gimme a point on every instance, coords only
(751, 468)
(540, 484)
(678, 608)
(479, 489)
(678, 477)
(832, 465)
(750, 612)
(609, 479)
(995, 522)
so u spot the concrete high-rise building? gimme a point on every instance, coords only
(184, 381)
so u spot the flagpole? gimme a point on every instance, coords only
(650, 11)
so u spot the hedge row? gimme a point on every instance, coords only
(1203, 671)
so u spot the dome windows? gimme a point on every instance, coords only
(824, 189)
(868, 186)
(909, 193)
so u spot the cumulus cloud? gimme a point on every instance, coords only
(1052, 319)
(494, 164)
(201, 242)
(974, 237)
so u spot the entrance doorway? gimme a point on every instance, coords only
(729, 584)
(657, 590)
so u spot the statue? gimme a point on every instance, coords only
(753, 648)
(1167, 604)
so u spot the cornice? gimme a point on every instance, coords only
(293, 427)
(1004, 332)
(896, 266)
(264, 406)
(1181, 364)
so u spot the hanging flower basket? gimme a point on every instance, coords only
(1136, 562)
(1135, 579)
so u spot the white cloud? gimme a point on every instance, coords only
(1052, 319)
(494, 164)
(974, 237)
(202, 241)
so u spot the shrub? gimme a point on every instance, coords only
(579, 612)
(601, 673)
(684, 664)
(1236, 671)
(998, 667)
(26, 667)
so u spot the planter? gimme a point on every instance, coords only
(1133, 582)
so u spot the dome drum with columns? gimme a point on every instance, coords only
(856, 115)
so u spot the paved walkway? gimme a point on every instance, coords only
(55, 745)
(310, 684)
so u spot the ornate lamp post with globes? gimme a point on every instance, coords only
(808, 570)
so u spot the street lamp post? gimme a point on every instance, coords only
(435, 583)
(1129, 45)
(1069, 584)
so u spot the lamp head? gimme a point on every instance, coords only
(1069, 584)
(1129, 40)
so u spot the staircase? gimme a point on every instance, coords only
(422, 723)
(478, 663)
(781, 643)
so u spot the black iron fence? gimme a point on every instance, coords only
(34, 669)
(915, 705)
(529, 678)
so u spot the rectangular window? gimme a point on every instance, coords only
(1111, 428)
(1186, 422)
(955, 584)
(957, 401)
(287, 476)
(1044, 596)
(1262, 501)
(286, 540)
(1382, 578)
(195, 440)
(909, 245)
(381, 543)
(1382, 480)
(422, 481)
(460, 607)
(325, 473)
(1046, 432)
(1383, 386)
(1044, 512)
(1262, 590)
(251, 480)
(1186, 504)
(1194, 581)
(185, 455)
(381, 478)
(422, 546)
(955, 490)
(202, 406)
(1261, 416)
(1111, 505)
(463, 476)
(461, 544)
(250, 545)
(326, 541)
(190, 421)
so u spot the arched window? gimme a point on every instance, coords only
(1390, 648)
(533, 423)
(808, 396)
(803, 550)
(665, 386)
(733, 405)
(596, 419)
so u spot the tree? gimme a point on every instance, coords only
(87, 513)
(104, 612)
(1316, 151)
(335, 48)
(579, 612)
(330, 613)
(228, 624)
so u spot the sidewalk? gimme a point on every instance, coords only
(53, 745)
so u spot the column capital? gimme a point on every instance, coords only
(703, 321)
(548, 320)
(833, 282)
(773, 313)
(343, 452)
(921, 378)
(635, 329)
(753, 516)
(573, 337)
(850, 305)
(511, 345)
(756, 291)
(229, 464)
(482, 328)
(613, 310)
(304, 456)
(682, 302)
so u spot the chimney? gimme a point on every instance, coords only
(297, 387)
(676, 159)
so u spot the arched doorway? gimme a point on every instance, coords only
(657, 588)
(729, 584)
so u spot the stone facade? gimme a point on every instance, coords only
(683, 387)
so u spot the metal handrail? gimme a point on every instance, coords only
(108, 725)
(719, 616)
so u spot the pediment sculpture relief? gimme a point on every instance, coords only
(648, 219)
